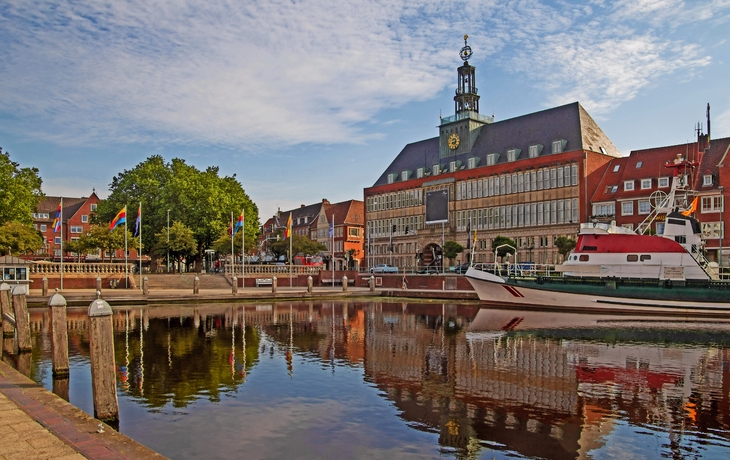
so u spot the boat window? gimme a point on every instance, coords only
(645, 257)
(584, 257)
(590, 248)
(632, 258)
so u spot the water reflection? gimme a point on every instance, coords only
(312, 380)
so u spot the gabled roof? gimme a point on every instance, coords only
(568, 122)
(715, 155)
(347, 212)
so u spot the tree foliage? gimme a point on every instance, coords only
(19, 238)
(223, 243)
(181, 245)
(300, 245)
(564, 245)
(100, 237)
(503, 251)
(452, 249)
(201, 200)
(20, 191)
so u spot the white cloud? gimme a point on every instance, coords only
(721, 124)
(262, 74)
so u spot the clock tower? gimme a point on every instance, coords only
(458, 133)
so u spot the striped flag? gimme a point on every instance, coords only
(287, 231)
(138, 222)
(239, 224)
(57, 221)
(121, 218)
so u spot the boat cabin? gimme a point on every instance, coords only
(15, 269)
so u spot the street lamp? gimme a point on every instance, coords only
(168, 241)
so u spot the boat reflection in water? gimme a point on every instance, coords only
(349, 379)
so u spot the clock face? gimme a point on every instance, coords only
(454, 141)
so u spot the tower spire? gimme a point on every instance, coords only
(466, 99)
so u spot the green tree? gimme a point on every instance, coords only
(300, 245)
(202, 200)
(223, 243)
(182, 242)
(100, 237)
(451, 250)
(20, 191)
(504, 250)
(564, 245)
(19, 238)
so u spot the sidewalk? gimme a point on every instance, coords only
(37, 424)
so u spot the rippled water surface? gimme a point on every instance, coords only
(406, 380)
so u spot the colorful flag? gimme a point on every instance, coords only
(332, 227)
(121, 218)
(287, 231)
(692, 208)
(230, 226)
(239, 224)
(57, 221)
(138, 222)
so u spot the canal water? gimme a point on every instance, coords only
(406, 380)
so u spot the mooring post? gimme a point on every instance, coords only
(44, 286)
(22, 320)
(196, 285)
(273, 284)
(372, 283)
(8, 328)
(59, 335)
(101, 352)
(98, 283)
(145, 286)
(344, 283)
(309, 284)
(234, 285)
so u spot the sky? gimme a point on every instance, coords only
(310, 99)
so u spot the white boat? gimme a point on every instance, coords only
(615, 269)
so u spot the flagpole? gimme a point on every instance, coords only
(333, 249)
(139, 235)
(60, 226)
(126, 262)
(291, 256)
(243, 252)
(233, 253)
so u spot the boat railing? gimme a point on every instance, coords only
(521, 269)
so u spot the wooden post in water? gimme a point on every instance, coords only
(234, 285)
(309, 284)
(101, 351)
(8, 328)
(145, 286)
(98, 283)
(372, 283)
(344, 283)
(44, 286)
(59, 333)
(22, 320)
(274, 283)
(196, 285)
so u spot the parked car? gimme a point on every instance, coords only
(384, 268)
(461, 269)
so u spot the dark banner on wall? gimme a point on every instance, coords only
(437, 206)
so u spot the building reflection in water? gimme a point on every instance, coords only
(555, 386)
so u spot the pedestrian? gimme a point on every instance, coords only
(405, 282)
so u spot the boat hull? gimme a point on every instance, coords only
(609, 295)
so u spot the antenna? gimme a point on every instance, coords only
(708, 121)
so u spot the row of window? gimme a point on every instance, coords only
(530, 181)
(708, 204)
(394, 200)
(396, 226)
(519, 215)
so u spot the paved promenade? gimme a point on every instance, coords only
(37, 424)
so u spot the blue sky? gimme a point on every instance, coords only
(312, 99)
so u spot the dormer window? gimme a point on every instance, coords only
(513, 154)
(559, 146)
(616, 168)
(663, 182)
(435, 170)
(405, 175)
(645, 184)
(534, 150)
(472, 162)
(707, 180)
(492, 159)
(419, 173)
(452, 166)
(638, 164)
(628, 185)
(391, 177)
